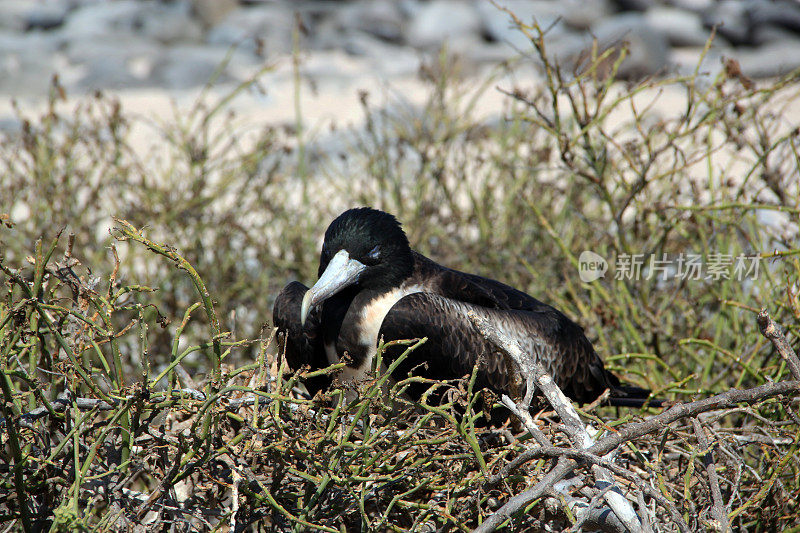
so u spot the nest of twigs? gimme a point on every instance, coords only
(257, 454)
(86, 447)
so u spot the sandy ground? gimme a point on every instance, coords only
(329, 93)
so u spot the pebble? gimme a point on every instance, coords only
(499, 26)
(381, 18)
(774, 59)
(680, 27)
(648, 50)
(443, 20)
(185, 66)
(265, 30)
(133, 43)
(103, 19)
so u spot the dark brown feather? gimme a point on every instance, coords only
(301, 345)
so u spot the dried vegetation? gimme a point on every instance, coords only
(141, 389)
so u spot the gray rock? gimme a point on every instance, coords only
(113, 63)
(731, 20)
(647, 51)
(635, 5)
(381, 18)
(409, 8)
(124, 47)
(14, 12)
(443, 20)
(166, 23)
(183, 67)
(680, 27)
(491, 54)
(265, 30)
(687, 60)
(568, 50)
(387, 60)
(37, 43)
(695, 6)
(115, 70)
(751, 22)
(45, 16)
(499, 26)
(24, 15)
(103, 19)
(785, 14)
(212, 12)
(10, 125)
(582, 14)
(27, 62)
(170, 23)
(774, 59)
(26, 75)
(770, 33)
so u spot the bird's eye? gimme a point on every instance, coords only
(375, 253)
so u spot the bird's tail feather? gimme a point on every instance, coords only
(630, 396)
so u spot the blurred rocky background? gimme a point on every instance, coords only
(180, 44)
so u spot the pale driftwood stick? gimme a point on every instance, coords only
(581, 456)
(590, 515)
(772, 331)
(534, 372)
(646, 516)
(563, 467)
(718, 510)
(527, 420)
(536, 375)
(612, 441)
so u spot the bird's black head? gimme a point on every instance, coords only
(373, 238)
(363, 247)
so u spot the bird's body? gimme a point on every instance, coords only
(372, 286)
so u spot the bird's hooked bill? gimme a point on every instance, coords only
(341, 272)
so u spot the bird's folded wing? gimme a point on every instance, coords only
(455, 345)
(302, 344)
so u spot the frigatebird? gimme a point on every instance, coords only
(373, 286)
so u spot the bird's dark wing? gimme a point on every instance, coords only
(302, 345)
(471, 288)
(507, 296)
(454, 344)
(571, 352)
(544, 331)
(465, 288)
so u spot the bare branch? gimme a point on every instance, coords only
(772, 331)
(718, 507)
(534, 372)
(563, 467)
(679, 411)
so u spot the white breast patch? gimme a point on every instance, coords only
(371, 320)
